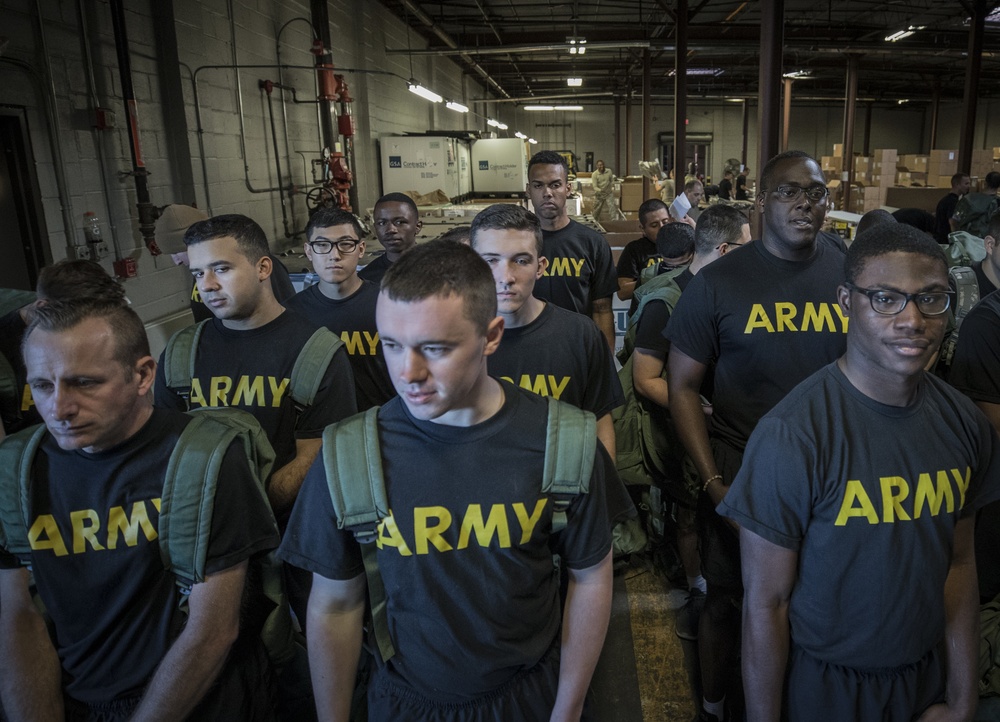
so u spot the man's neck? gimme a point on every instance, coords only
(528, 312)
(268, 310)
(990, 272)
(779, 249)
(556, 224)
(342, 290)
(885, 388)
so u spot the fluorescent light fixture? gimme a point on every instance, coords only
(457, 107)
(714, 72)
(900, 34)
(532, 141)
(574, 82)
(496, 124)
(568, 107)
(798, 74)
(423, 92)
(539, 107)
(520, 135)
(577, 46)
(902, 101)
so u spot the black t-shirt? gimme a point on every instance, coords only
(637, 256)
(466, 551)
(986, 286)
(834, 240)
(353, 320)
(18, 413)
(96, 556)
(281, 286)
(869, 496)
(251, 370)
(945, 210)
(726, 189)
(581, 268)
(376, 269)
(766, 323)
(563, 355)
(741, 188)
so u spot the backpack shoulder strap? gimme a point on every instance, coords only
(17, 455)
(311, 365)
(353, 462)
(179, 358)
(188, 497)
(570, 446)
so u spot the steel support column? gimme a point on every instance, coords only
(847, 175)
(680, 95)
(787, 115)
(628, 133)
(618, 137)
(647, 117)
(935, 109)
(971, 96)
(868, 129)
(772, 30)
(746, 131)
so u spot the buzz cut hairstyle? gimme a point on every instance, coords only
(992, 180)
(649, 207)
(767, 175)
(78, 279)
(441, 269)
(250, 238)
(716, 225)
(457, 234)
(691, 184)
(548, 157)
(329, 217)
(131, 342)
(399, 198)
(507, 217)
(958, 178)
(886, 238)
(675, 240)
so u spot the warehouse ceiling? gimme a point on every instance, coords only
(522, 48)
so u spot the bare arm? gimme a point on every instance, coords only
(684, 376)
(286, 481)
(585, 623)
(961, 632)
(198, 655)
(336, 614)
(647, 375)
(769, 574)
(626, 288)
(992, 412)
(605, 320)
(30, 675)
(606, 434)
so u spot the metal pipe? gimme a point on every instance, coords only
(787, 115)
(746, 131)
(628, 132)
(935, 109)
(971, 95)
(277, 160)
(647, 118)
(618, 136)
(680, 96)
(868, 129)
(852, 93)
(772, 30)
(281, 80)
(524, 48)
(556, 96)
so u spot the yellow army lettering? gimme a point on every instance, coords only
(930, 496)
(44, 533)
(541, 384)
(356, 346)
(432, 524)
(27, 400)
(564, 267)
(815, 317)
(250, 391)
(195, 295)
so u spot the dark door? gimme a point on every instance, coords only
(22, 224)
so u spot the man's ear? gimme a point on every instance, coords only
(991, 244)
(543, 264)
(844, 299)
(264, 267)
(494, 332)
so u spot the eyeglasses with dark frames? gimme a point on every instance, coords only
(891, 303)
(344, 245)
(790, 193)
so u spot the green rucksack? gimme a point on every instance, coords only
(353, 460)
(974, 211)
(186, 506)
(307, 374)
(989, 649)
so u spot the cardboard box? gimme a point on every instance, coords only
(996, 153)
(833, 163)
(940, 181)
(923, 198)
(913, 163)
(885, 155)
(884, 179)
(838, 150)
(862, 163)
(631, 197)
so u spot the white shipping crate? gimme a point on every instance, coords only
(420, 163)
(499, 165)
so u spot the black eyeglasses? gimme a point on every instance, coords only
(344, 245)
(790, 194)
(890, 303)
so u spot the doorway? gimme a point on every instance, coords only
(22, 241)
(697, 154)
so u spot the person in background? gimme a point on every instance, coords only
(603, 181)
(397, 223)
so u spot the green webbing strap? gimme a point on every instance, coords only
(188, 498)
(17, 454)
(311, 365)
(570, 446)
(179, 358)
(354, 474)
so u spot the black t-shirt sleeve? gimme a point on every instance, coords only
(629, 262)
(652, 324)
(336, 399)
(163, 397)
(604, 391)
(242, 523)
(974, 370)
(605, 281)
(692, 327)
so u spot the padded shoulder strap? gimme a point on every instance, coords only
(188, 497)
(17, 454)
(179, 357)
(311, 365)
(570, 445)
(353, 462)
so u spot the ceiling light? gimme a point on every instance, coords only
(423, 92)
(569, 107)
(798, 74)
(496, 124)
(714, 72)
(901, 102)
(900, 34)
(577, 45)
(532, 141)
(539, 107)
(520, 135)
(458, 107)
(574, 82)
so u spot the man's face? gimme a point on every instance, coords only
(654, 221)
(893, 347)
(793, 222)
(230, 285)
(964, 186)
(600, 166)
(694, 195)
(397, 226)
(548, 190)
(335, 266)
(436, 357)
(84, 394)
(513, 258)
